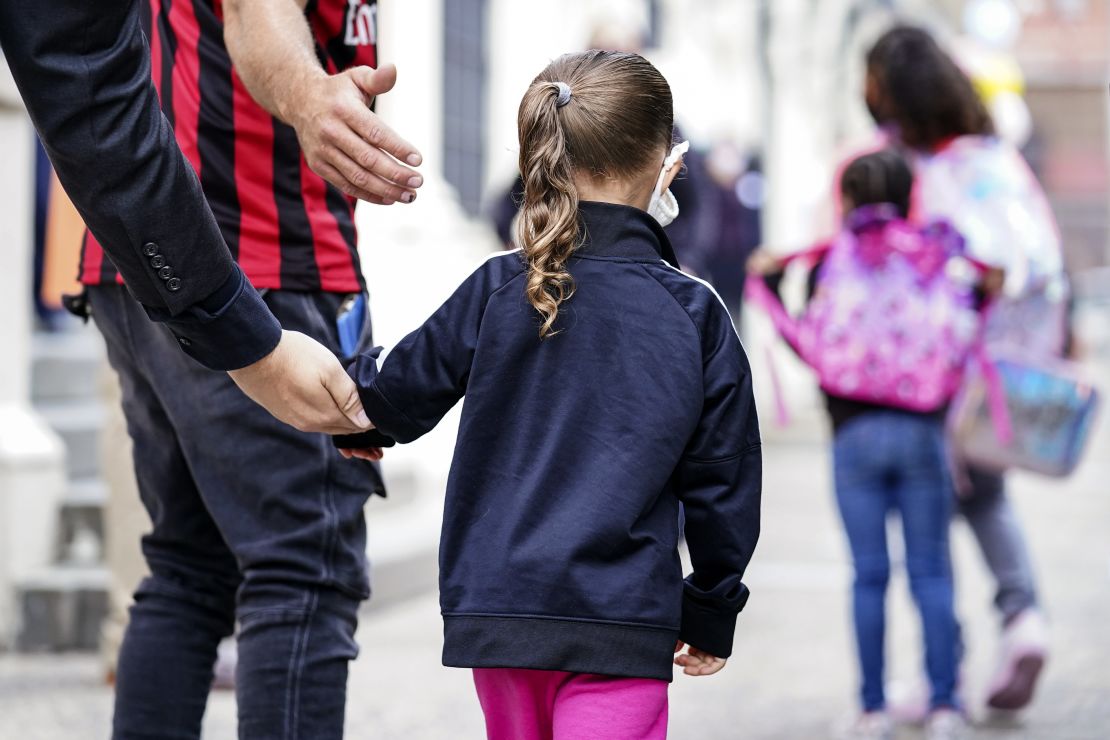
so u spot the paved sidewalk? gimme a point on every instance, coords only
(792, 676)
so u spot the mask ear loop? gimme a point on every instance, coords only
(676, 153)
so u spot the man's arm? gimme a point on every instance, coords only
(83, 70)
(344, 142)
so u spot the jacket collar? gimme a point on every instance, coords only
(613, 230)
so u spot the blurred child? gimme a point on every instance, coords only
(981, 184)
(603, 387)
(888, 330)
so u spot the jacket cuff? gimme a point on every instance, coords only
(228, 330)
(389, 421)
(709, 628)
(363, 440)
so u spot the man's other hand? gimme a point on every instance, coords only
(303, 384)
(348, 145)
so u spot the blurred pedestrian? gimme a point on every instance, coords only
(922, 99)
(888, 332)
(726, 223)
(603, 386)
(254, 523)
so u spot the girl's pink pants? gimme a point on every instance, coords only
(522, 704)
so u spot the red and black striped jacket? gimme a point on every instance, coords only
(285, 225)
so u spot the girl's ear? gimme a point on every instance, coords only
(672, 173)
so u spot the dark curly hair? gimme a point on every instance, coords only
(878, 177)
(922, 90)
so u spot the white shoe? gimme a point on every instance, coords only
(227, 657)
(1024, 652)
(907, 702)
(945, 724)
(869, 726)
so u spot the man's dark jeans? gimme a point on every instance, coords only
(253, 522)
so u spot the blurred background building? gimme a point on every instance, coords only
(770, 88)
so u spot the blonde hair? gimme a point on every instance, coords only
(617, 118)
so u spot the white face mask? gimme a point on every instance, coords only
(663, 206)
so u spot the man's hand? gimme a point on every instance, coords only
(344, 142)
(303, 384)
(347, 144)
(696, 662)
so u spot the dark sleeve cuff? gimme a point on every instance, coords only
(708, 627)
(390, 422)
(230, 329)
(363, 440)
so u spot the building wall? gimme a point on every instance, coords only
(1065, 54)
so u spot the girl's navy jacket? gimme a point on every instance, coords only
(561, 524)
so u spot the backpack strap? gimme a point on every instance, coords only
(809, 257)
(992, 379)
(996, 398)
(758, 293)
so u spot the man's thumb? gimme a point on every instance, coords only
(374, 82)
(345, 394)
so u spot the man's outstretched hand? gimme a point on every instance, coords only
(303, 384)
(348, 144)
(344, 142)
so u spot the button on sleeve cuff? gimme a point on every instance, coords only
(228, 330)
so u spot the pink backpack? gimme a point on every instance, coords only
(892, 320)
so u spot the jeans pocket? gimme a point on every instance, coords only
(311, 313)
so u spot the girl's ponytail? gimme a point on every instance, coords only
(600, 115)
(547, 227)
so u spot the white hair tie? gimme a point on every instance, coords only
(564, 94)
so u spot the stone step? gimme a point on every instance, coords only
(79, 423)
(66, 365)
(61, 608)
(81, 525)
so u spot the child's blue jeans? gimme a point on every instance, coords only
(888, 461)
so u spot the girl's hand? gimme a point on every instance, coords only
(994, 279)
(696, 662)
(372, 454)
(763, 262)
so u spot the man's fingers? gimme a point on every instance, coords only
(368, 181)
(366, 124)
(375, 160)
(345, 394)
(336, 178)
(323, 424)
